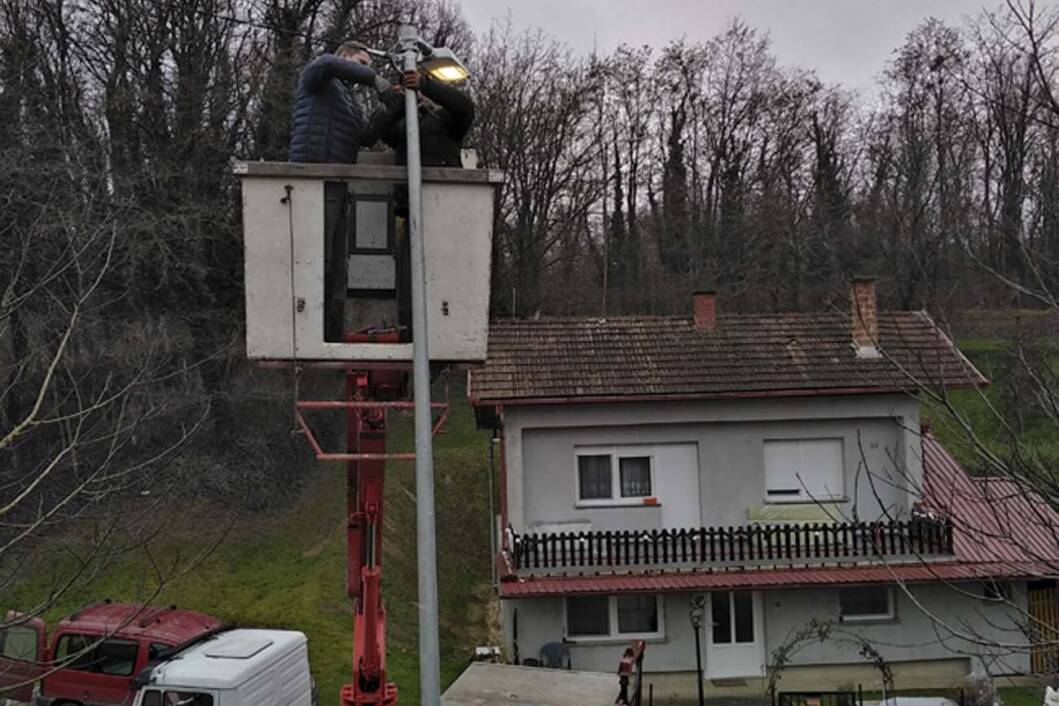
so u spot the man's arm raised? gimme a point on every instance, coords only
(328, 66)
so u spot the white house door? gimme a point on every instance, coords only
(734, 635)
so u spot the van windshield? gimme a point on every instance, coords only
(154, 697)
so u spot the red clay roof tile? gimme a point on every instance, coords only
(761, 354)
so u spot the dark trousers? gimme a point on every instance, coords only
(336, 259)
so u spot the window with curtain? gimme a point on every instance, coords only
(635, 475)
(615, 475)
(594, 477)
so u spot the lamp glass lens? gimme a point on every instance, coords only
(449, 73)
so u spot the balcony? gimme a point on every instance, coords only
(748, 546)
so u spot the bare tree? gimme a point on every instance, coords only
(535, 106)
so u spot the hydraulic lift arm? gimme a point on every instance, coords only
(366, 436)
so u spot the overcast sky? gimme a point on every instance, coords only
(847, 41)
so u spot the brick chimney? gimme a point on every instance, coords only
(865, 322)
(705, 306)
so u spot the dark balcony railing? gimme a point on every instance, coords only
(759, 543)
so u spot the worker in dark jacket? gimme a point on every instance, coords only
(445, 117)
(328, 126)
(328, 122)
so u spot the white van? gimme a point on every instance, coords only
(238, 667)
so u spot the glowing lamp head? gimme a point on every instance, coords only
(443, 65)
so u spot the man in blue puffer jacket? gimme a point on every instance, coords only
(328, 121)
(328, 126)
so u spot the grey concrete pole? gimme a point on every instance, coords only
(426, 550)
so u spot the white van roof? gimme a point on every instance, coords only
(227, 659)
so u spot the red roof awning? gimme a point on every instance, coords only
(539, 586)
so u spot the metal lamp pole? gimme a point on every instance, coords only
(697, 613)
(429, 650)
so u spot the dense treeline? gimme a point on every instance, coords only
(642, 173)
(709, 164)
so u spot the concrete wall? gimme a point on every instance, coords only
(879, 433)
(911, 637)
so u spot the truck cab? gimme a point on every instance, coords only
(241, 667)
(94, 653)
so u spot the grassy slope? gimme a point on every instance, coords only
(983, 409)
(287, 570)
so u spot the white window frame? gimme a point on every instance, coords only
(613, 635)
(889, 615)
(616, 453)
(804, 495)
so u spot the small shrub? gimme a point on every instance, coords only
(978, 690)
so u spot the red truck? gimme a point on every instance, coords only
(97, 650)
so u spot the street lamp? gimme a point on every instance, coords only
(698, 615)
(442, 63)
(412, 54)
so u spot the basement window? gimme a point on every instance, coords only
(622, 617)
(615, 475)
(864, 604)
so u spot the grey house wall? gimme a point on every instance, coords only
(880, 434)
(931, 623)
(928, 626)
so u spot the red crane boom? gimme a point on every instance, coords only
(366, 436)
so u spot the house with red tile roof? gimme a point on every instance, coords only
(746, 477)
